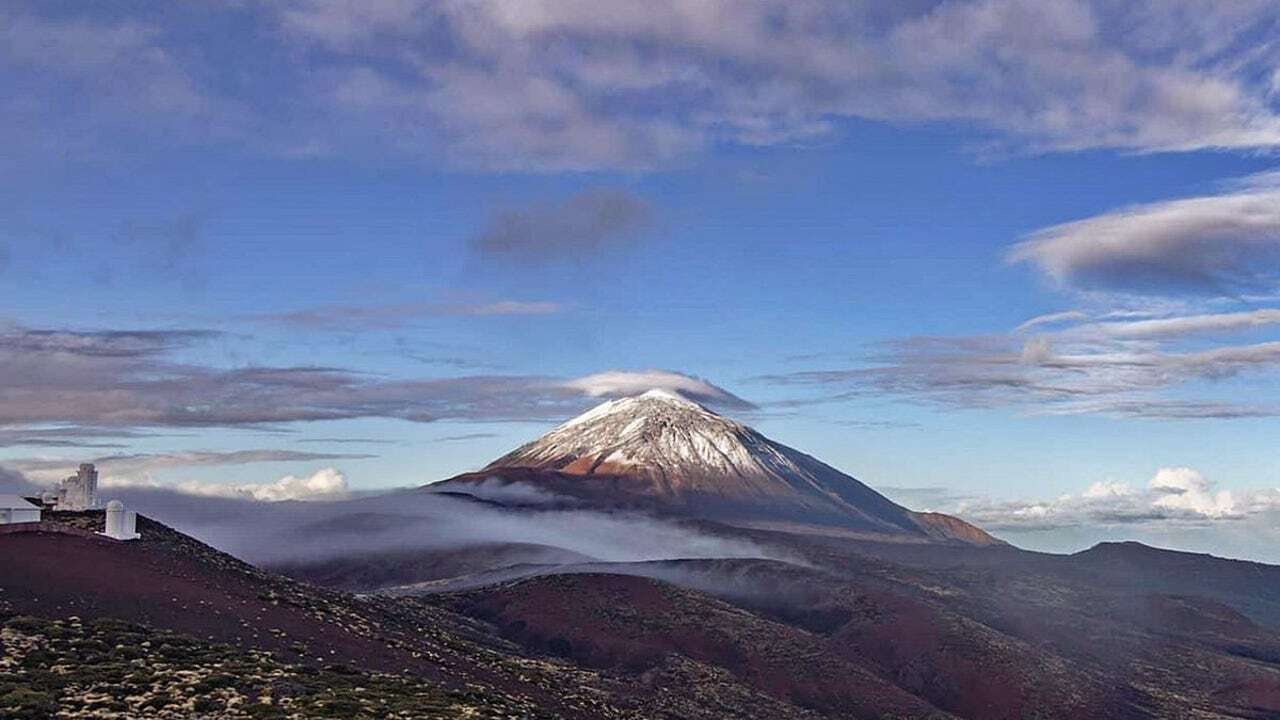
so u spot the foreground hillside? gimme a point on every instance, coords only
(103, 667)
(169, 627)
(168, 585)
(849, 629)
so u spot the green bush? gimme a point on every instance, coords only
(23, 704)
(213, 682)
(38, 659)
(27, 624)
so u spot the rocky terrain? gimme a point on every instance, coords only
(168, 582)
(71, 668)
(169, 627)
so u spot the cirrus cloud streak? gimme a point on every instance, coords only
(96, 379)
(553, 85)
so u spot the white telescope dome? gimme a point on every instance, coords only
(121, 524)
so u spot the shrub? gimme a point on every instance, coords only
(23, 704)
(206, 704)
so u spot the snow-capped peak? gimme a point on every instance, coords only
(660, 394)
(668, 449)
(632, 403)
(677, 442)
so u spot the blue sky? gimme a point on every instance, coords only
(381, 243)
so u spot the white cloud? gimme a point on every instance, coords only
(84, 86)
(1120, 362)
(1191, 324)
(1173, 497)
(578, 85)
(121, 378)
(142, 465)
(1054, 375)
(325, 484)
(365, 317)
(1051, 319)
(1105, 489)
(618, 383)
(1183, 488)
(1211, 245)
(587, 84)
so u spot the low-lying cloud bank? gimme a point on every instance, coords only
(265, 523)
(138, 467)
(417, 520)
(325, 484)
(1177, 508)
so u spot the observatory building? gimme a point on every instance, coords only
(121, 524)
(76, 494)
(80, 491)
(17, 509)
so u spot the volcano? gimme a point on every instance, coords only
(662, 451)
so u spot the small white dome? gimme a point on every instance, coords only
(115, 505)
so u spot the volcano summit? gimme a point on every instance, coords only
(662, 451)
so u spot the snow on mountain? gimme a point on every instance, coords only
(673, 452)
(663, 435)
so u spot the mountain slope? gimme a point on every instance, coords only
(168, 627)
(944, 631)
(663, 450)
(168, 582)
